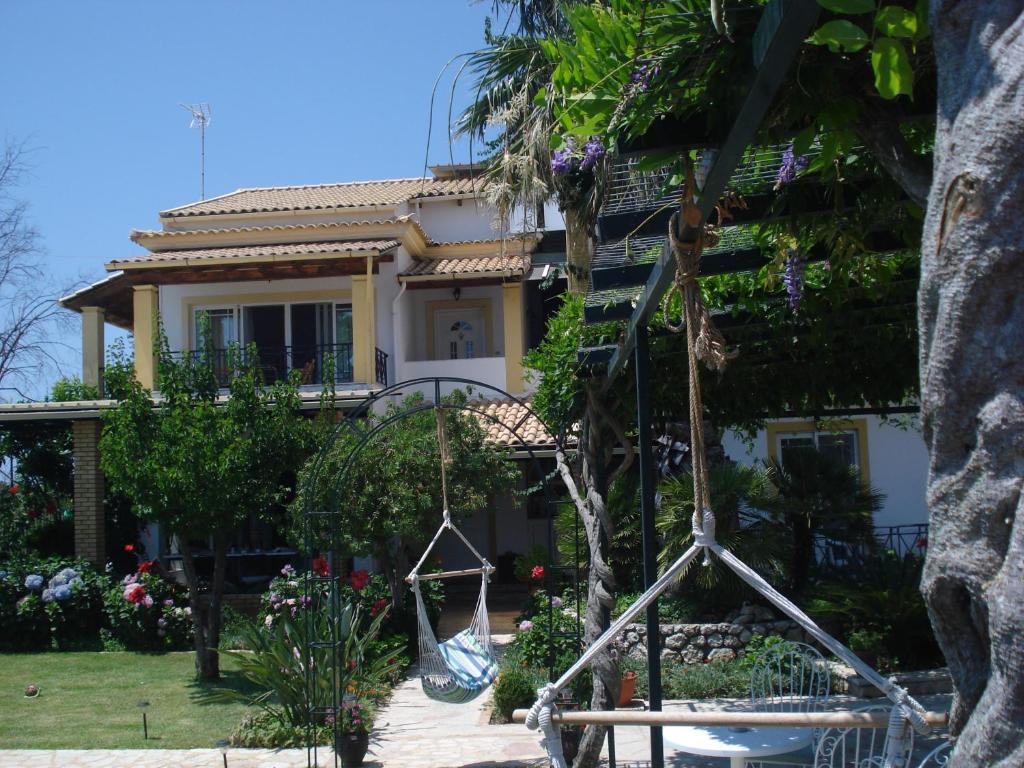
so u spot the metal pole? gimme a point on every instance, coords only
(641, 356)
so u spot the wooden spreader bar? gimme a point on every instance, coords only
(749, 719)
(446, 574)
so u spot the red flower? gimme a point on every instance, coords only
(922, 543)
(379, 606)
(146, 566)
(129, 547)
(359, 579)
(13, 488)
(537, 573)
(321, 566)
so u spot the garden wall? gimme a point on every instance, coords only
(693, 643)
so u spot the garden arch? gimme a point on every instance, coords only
(435, 390)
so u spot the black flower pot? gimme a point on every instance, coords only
(351, 748)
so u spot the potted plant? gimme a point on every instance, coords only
(868, 644)
(353, 734)
(628, 688)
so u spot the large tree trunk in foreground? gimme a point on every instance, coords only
(206, 609)
(972, 374)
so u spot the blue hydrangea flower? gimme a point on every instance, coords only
(47, 595)
(65, 575)
(34, 582)
(62, 593)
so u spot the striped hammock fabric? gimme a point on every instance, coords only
(471, 670)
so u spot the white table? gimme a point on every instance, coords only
(739, 744)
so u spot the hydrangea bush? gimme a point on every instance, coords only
(50, 602)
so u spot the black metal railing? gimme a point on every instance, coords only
(899, 539)
(314, 362)
(380, 366)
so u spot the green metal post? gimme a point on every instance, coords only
(645, 440)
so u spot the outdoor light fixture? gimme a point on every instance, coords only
(223, 745)
(145, 725)
(456, 292)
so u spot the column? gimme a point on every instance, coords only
(145, 302)
(90, 531)
(512, 309)
(92, 347)
(364, 326)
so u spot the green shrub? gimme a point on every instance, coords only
(264, 731)
(50, 603)
(707, 680)
(545, 634)
(515, 688)
(672, 609)
(146, 612)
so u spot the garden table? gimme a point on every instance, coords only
(739, 744)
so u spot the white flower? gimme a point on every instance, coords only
(269, 621)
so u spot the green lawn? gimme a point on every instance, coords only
(89, 700)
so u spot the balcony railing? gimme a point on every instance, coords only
(315, 363)
(899, 539)
(380, 367)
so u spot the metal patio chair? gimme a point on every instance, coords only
(857, 747)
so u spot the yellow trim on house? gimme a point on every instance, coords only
(146, 306)
(434, 306)
(364, 331)
(860, 426)
(92, 346)
(512, 309)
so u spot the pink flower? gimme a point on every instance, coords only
(135, 593)
(148, 601)
(537, 573)
(525, 625)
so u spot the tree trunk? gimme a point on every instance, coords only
(195, 602)
(972, 374)
(600, 587)
(577, 257)
(211, 656)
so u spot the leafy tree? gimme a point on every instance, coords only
(199, 463)
(39, 502)
(387, 494)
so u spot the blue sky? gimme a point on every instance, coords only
(301, 92)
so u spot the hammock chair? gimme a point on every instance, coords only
(461, 668)
(705, 343)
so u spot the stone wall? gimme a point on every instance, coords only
(693, 643)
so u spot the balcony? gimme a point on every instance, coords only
(317, 364)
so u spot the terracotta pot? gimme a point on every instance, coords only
(628, 688)
(351, 748)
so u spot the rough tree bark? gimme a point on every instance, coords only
(206, 608)
(595, 456)
(972, 374)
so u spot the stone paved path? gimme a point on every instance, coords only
(414, 732)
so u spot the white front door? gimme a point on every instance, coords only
(459, 334)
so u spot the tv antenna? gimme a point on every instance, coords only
(200, 119)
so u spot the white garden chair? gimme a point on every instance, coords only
(938, 757)
(859, 747)
(789, 678)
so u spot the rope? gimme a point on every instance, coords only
(446, 457)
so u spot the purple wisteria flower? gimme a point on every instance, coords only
(790, 167)
(644, 75)
(562, 162)
(793, 279)
(593, 151)
(34, 581)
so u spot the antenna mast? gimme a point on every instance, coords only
(200, 118)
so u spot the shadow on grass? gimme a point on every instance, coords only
(230, 689)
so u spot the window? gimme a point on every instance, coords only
(222, 327)
(845, 441)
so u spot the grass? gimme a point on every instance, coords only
(89, 701)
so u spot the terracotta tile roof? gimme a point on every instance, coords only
(324, 196)
(163, 234)
(515, 265)
(499, 417)
(288, 250)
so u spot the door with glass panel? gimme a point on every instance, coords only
(459, 334)
(215, 329)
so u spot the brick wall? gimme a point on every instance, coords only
(89, 521)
